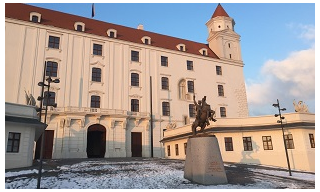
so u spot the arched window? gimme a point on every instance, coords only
(79, 26)
(35, 17)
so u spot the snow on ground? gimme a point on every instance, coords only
(296, 175)
(127, 175)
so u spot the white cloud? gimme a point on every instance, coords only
(286, 80)
(302, 31)
(307, 32)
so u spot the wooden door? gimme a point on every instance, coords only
(48, 147)
(136, 144)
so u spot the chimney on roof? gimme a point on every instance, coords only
(140, 27)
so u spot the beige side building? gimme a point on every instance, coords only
(255, 140)
(21, 132)
(103, 98)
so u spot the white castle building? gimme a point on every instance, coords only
(120, 88)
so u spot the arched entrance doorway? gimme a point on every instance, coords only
(96, 141)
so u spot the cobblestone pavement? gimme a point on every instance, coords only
(237, 174)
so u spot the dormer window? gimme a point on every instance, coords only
(79, 26)
(112, 33)
(181, 47)
(35, 17)
(203, 51)
(146, 40)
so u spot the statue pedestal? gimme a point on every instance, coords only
(203, 164)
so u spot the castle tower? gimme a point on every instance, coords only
(222, 39)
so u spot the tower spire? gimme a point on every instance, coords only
(220, 12)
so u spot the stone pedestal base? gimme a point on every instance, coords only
(204, 163)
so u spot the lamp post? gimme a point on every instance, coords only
(277, 105)
(41, 99)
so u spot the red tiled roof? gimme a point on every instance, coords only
(66, 21)
(220, 12)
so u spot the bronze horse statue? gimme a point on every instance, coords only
(204, 114)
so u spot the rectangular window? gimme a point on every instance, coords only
(135, 105)
(164, 61)
(146, 41)
(79, 27)
(96, 74)
(185, 148)
(247, 144)
(165, 108)
(289, 141)
(168, 150)
(311, 138)
(95, 101)
(177, 149)
(52, 69)
(223, 112)
(165, 83)
(267, 143)
(54, 42)
(111, 34)
(135, 56)
(135, 79)
(34, 18)
(97, 49)
(51, 98)
(228, 143)
(192, 110)
(190, 65)
(190, 87)
(13, 142)
(220, 90)
(218, 70)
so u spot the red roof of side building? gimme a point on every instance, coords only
(220, 12)
(67, 21)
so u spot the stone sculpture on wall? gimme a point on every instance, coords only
(301, 107)
(30, 99)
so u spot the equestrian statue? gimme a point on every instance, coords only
(203, 115)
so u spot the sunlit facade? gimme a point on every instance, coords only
(103, 98)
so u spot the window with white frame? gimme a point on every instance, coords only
(35, 17)
(112, 33)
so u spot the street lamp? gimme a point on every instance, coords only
(41, 99)
(277, 105)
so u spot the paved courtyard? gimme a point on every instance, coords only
(147, 173)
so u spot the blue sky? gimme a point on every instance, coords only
(277, 41)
